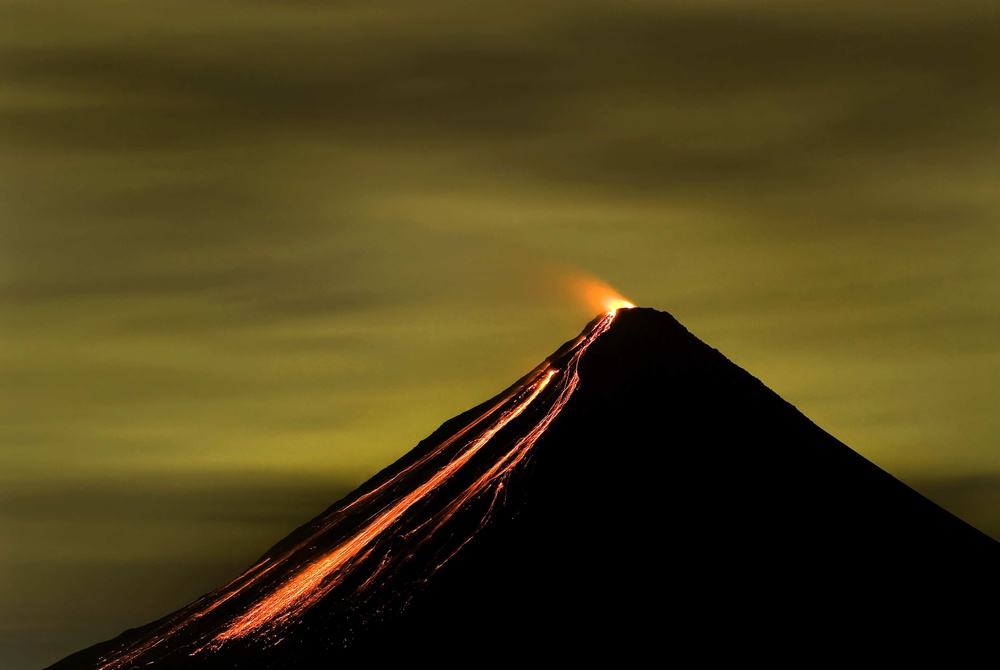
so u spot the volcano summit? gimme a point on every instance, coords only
(635, 493)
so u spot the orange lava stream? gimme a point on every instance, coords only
(320, 576)
(253, 574)
(303, 589)
(510, 460)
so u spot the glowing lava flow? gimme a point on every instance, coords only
(305, 588)
(409, 506)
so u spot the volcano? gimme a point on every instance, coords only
(635, 494)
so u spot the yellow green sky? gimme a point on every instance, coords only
(253, 251)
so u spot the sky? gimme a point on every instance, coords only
(252, 252)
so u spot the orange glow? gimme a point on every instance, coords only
(598, 295)
(615, 304)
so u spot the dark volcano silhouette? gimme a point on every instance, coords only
(635, 494)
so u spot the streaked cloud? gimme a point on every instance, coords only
(239, 236)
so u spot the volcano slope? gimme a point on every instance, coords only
(635, 494)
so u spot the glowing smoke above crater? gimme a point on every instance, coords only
(597, 295)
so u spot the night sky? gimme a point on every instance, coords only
(252, 252)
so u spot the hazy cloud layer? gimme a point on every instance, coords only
(289, 237)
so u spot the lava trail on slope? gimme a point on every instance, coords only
(372, 550)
